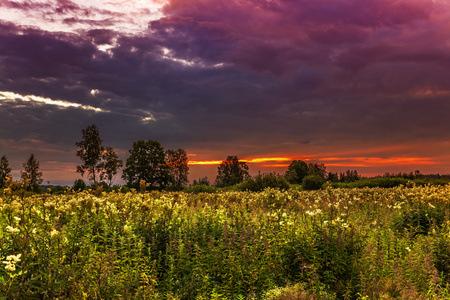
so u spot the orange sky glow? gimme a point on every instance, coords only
(332, 161)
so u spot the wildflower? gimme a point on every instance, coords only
(10, 267)
(17, 219)
(54, 232)
(408, 249)
(14, 258)
(10, 262)
(12, 229)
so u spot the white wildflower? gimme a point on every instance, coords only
(12, 229)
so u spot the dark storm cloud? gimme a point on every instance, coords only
(256, 76)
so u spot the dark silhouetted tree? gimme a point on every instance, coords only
(146, 162)
(79, 185)
(201, 181)
(32, 172)
(90, 151)
(111, 164)
(312, 182)
(349, 176)
(317, 169)
(177, 160)
(231, 171)
(5, 170)
(296, 171)
(333, 177)
(262, 181)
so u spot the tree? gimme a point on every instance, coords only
(5, 170)
(317, 169)
(296, 171)
(32, 172)
(90, 151)
(312, 182)
(201, 181)
(262, 181)
(146, 162)
(231, 171)
(79, 185)
(111, 164)
(177, 160)
(349, 176)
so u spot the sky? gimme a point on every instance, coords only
(353, 84)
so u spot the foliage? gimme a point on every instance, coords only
(201, 181)
(111, 164)
(32, 173)
(5, 170)
(201, 188)
(262, 181)
(146, 162)
(349, 176)
(317, 169)
(231, 171)
(296, 171)
(312, 182)
(79, 185)
(177, 160)
(90, 151)
(320, 244)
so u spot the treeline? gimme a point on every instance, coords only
(150, 167)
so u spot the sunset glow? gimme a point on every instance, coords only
(332, 161)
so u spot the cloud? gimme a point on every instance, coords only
(252, 78)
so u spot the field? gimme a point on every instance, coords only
(368, 243)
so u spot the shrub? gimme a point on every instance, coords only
(79, 185)
(58, 190)
(124, 189)
(312, 182)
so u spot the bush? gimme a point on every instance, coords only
(58, 190)
(312, 182)
(79, 185)
(124, 189)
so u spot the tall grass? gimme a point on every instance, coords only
(368, 243)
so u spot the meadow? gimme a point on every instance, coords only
(334, 243)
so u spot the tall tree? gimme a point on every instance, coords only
(32, 172)
(296, 171)
(90, 151)
(5, 170)
(146, 162)
(317, 169)
(111, 164)
(231, 171)
(177, 160)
